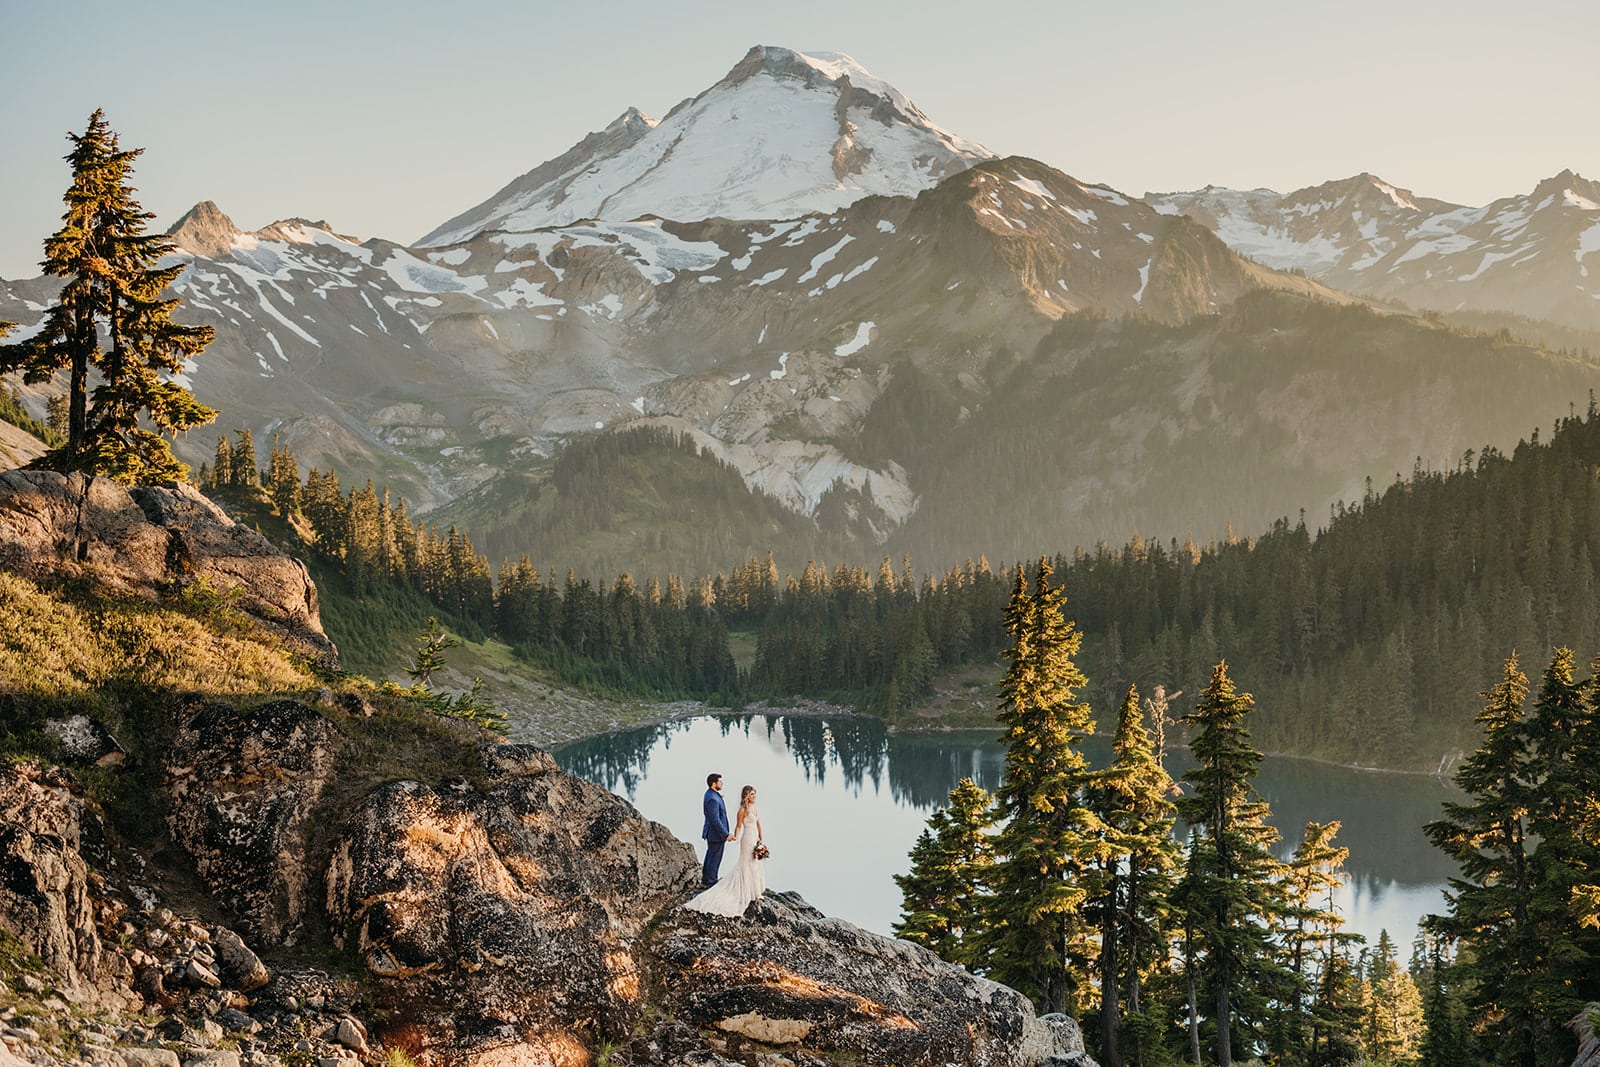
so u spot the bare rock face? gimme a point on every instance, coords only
(44, 882)
(244, 786)
(504, 916)
(1584, 1025)
(786, 977)
(148, 540)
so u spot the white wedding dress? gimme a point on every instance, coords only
(733, 893)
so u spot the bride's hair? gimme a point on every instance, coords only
(744, 795)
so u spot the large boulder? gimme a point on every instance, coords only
(786, 977)
(502, 915)
(150, 540)
(245, 785)
(44, 882)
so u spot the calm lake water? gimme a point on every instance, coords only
(842, 801)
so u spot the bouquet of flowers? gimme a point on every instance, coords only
(761, 851)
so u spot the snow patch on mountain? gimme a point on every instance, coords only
(1588, 241)
(862, 338)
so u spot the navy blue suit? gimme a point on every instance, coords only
(716, 834)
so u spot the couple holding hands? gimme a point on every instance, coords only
(730, 896)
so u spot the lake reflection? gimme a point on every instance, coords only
(842, 801)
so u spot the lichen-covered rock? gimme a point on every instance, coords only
(240, 967)
(785, 976)
(505, 915)
(1585, 1024)
(149, 540)
(244, 785)
(86, 741)
(44, 883)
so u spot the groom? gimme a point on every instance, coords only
(716, 829)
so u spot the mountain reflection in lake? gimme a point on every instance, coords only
(842, 801)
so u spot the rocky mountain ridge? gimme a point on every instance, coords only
(441, 368)
(1527, 254)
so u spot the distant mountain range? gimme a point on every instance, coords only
(1536, 255)
(819, 286)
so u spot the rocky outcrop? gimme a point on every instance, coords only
(530, 916)
(44, 882)
(504, 913)
(150, 541)
(244, 785)
(786, 977)
(1584, 1025)
(514, 915)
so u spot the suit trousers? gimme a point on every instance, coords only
(708, 873)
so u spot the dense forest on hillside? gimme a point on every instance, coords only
(639, 501)
(1117, 427)
(1368, 640)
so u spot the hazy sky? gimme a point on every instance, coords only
(388, 118)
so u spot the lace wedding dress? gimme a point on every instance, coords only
(745, 883)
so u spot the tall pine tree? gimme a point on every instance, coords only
(1039, 935)
(1487, 836)
(113, 287)
(1231, 892)
(1133, 798)
(1564, 734)
(949, 871)
(1310, 934)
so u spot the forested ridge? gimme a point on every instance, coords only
(1367, 641)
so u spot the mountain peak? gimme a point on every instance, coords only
(631, 121)
(1574, 189)
(783, 134)
(1365, 188)
(299, 231)
(204, 230)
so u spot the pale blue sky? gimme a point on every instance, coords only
(388, 118)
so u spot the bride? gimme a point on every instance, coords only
(747, 882)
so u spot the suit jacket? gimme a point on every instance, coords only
(716, 816)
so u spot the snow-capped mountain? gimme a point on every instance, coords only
(821, 300)
(783, 134)
(415, 358)
(1527, 254)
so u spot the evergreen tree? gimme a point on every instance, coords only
(1487, 836)
(1564, 735)
(1337, 1014)
(1039, 936)
(950, 862)
(222, 466)
(246, 475)
(1231, 893)
(113, 286)
(1446, 1029)
(1133, 798)
(1394, 1020)
(428, 657)
(283, 479)
(1311, 934)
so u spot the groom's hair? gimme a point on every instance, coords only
(712, 779)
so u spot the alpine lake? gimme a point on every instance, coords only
(842, 800)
